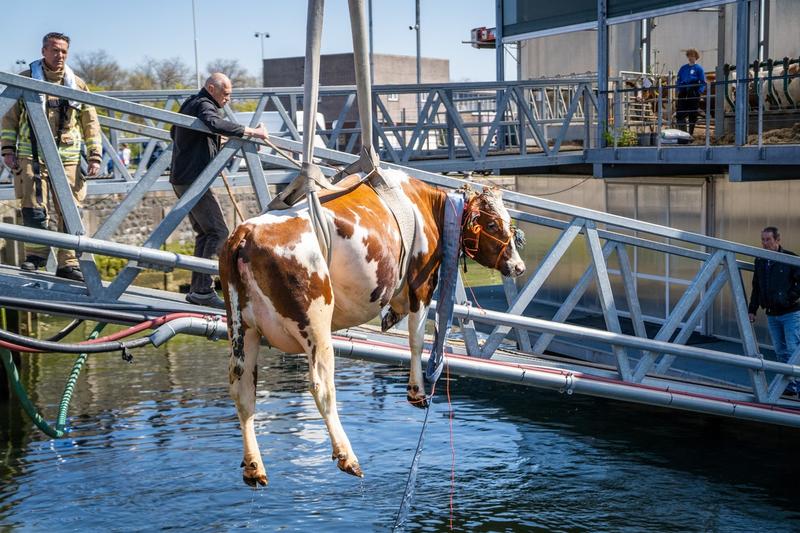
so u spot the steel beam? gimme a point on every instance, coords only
(571, 301)
(606, 296)
(534, 283)
(680, 310)
(742, 66)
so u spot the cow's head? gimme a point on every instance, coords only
(487, 235)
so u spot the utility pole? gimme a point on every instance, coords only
(371, 48)
(194, 29)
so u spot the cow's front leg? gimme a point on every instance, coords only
(243, 376)
(416, 339)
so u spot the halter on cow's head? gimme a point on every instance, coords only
(487, 235)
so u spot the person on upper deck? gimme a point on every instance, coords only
(691, 84)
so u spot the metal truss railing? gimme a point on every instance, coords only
(637, 358)
(465, 124)
(460, 126)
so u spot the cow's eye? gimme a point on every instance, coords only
(492, 225)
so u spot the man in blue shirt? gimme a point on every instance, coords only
(691, 85)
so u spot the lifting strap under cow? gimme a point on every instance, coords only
(448, 277)
(310, 180)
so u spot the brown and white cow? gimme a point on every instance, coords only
(278, 285)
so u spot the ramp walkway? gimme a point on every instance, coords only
(624, 355)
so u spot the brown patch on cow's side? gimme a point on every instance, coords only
(255, 376)
(424, 268)
(285, 280)
(364, 208)
(386, 269)
(344, 228)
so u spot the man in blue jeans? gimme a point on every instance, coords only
(776, 288)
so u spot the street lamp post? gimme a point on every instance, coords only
(262, 35)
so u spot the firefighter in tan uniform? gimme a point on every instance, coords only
(72, 124)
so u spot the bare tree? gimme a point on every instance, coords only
(173, 73)
(151, 73)
(143, 76)
(99, 70)
(236, 72)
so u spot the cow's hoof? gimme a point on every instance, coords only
(254, 474)
(421, 402)
(351, 467)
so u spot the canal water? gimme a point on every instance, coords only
(155, 445)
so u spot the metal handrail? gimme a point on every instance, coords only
(718, 253)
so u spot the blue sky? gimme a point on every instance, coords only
(129, 31)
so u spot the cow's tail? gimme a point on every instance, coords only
(234, 288)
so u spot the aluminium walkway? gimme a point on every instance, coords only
(690, 389)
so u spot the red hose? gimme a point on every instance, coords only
(152, 323)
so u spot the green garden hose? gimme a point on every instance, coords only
(27, 405)
(73, 378)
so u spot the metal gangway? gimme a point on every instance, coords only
(505, 344)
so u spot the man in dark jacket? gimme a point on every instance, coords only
(776, 288)
(192, 151)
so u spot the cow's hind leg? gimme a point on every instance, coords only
(243, 374)
(321, 369)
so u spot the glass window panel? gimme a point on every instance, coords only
(620, 200)
(652, 203)
(651, 297)
(686, 213)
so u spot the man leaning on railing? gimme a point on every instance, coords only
(72, 124)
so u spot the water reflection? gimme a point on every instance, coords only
(156, 445)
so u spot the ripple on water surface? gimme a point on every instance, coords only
(156, 445)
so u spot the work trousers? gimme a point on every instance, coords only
(208, 222)
(35, 208)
